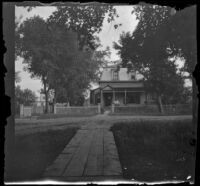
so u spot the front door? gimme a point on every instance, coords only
(108, 99)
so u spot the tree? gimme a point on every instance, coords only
(48, 51)
(52, 53)
(31, 41)
(85, 20)
(183, 36)
(159, 72)
(25, 97)
(74, 69)
(28, 97)
(150, 52)
(178, 32)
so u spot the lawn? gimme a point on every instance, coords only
(34, 152)
(155, 150)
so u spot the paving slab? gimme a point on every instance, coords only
(90, 155)
(94, 165)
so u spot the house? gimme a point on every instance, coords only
(120, 87)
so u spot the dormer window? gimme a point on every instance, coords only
(115, 75)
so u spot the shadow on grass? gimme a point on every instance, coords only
(155, 150)
(34, 152)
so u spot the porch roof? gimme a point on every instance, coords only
(125, 84)
(127, 89)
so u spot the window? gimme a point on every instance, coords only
(115, 75)
(133, 97)
(132, 76)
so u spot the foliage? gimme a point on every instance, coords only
(85, 20)
(51, 53)
(32, 39)
(25, 97)
(151, 48)
(183, 36)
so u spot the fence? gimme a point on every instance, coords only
(28, 111)
(83, 110)
(25, 111)
(37, 109)
(178, 109)
(135, 109)
(152, 109)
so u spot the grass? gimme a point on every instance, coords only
(155, 150)
(34, 152)
(147, 114)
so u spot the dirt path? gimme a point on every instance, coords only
(26, 126)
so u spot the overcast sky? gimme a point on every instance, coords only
(107, 36)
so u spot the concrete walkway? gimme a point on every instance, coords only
(91, 155)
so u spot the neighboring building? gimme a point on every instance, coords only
(120, 87)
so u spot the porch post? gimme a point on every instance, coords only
(101, 98)
(125, 96)
(94, 99)
(146, 97)
(113, 96)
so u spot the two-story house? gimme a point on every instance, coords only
(120, 87)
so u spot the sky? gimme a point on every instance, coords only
(107, 36)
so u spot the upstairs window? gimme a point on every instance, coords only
(133, 77)
(115, 75)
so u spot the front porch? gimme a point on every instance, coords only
(107, 96)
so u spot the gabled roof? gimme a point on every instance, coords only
(107, 87)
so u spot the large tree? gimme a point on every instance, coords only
(151, 46)
(137, 52)
(178, 33)
(52, 53)
(32, 39)
(183, 36)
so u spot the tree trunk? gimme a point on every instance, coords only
(54, 99)
(160, 105)
(46, 97)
